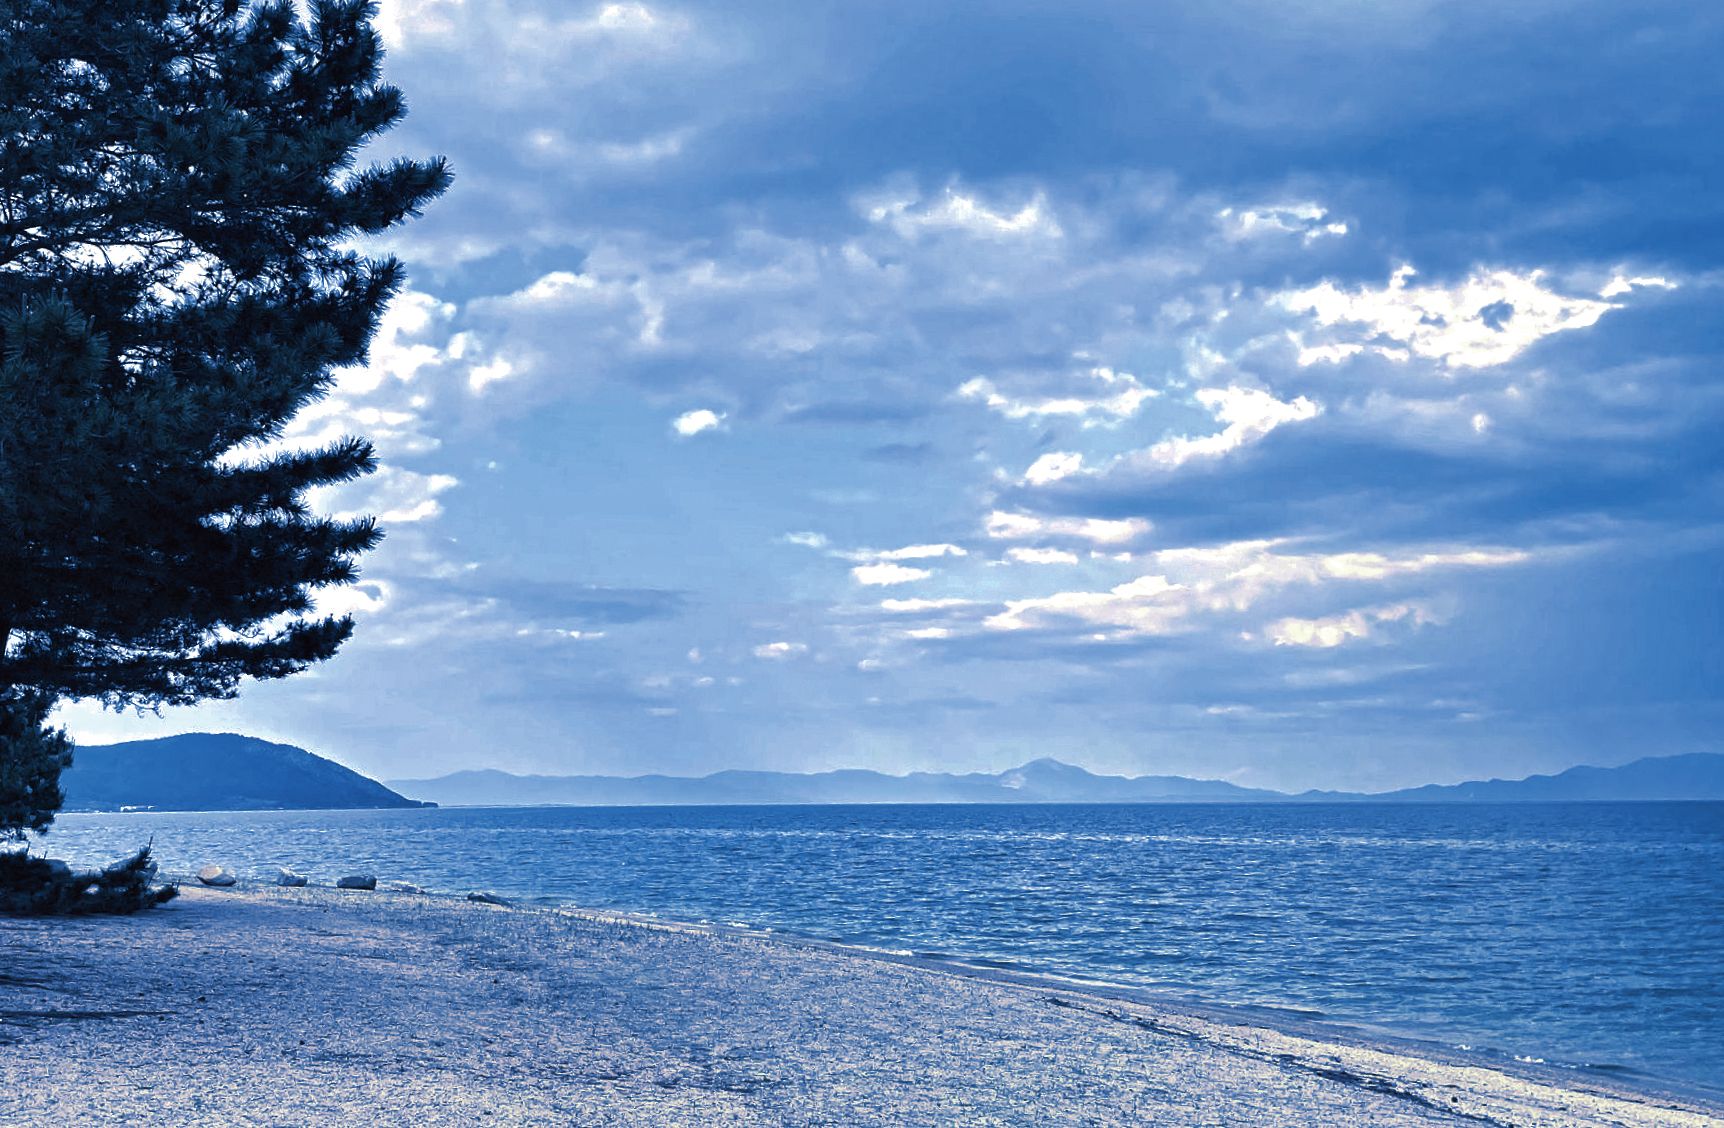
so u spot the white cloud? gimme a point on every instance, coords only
(1096, 530)
(399, 350)
(1489, 318)
(1620, 285)
(363, 598)
(426, 19)
(544, 144)
(883, 575)
(1120, 396)
(386, 398)
(960, 211)
(1230, 579)
(481, 376)
(776, 651)
(916, 606)
(1041, 556)
(624, 17)
(807, 540)
(1147, 605)
(912, 552)
(1052, 467)
(694, 422)
(1308, 220)
(569, 634)
(1249, 415)
(1334, 630)
(394, 495)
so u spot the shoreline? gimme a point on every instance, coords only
(691, 1020)
(1614, 1081)
(1205, 1019)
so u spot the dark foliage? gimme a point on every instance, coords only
(43, 887)
(178, 192)
(32, 756)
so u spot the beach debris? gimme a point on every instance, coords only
(50, 887)
(487, 899)
(357, 881)
(217, 875)
(404, 887)
(286, 877)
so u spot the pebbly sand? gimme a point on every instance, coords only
(312, 1006)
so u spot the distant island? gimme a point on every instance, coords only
(216, 772)
(1692, 776)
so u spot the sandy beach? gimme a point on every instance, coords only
(312, 1006)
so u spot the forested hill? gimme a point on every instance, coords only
(216, 772)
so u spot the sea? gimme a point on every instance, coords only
(1586, 936)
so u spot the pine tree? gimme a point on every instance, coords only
(179, 195)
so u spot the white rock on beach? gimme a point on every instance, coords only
(217, 875)
(358, 881)
(403, 887)
(287, 877)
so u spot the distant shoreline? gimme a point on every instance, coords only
(720, 804)
(319, 1005)
(1657, 778)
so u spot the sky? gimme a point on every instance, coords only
(1305, 393)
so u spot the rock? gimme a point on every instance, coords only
(487, 899)
(403, 887)
(358, 881)
(287, 877)
(217, 875)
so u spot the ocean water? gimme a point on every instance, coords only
(1581, 935)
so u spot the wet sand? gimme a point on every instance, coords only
(314, 1006)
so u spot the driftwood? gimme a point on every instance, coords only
(49, 887)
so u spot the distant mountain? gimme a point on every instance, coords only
(215, 772)
(1040, 781)
(1698, 775)
(1695, 776)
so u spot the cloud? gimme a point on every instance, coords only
(393, 494)
(1310, 221)
(1249, 415)
(1041, 556)
(1002, 525)
(1120, 396)
(407, 25)
(915, 263)
(878, 565)
(910, 552)
(363, 598)
(918, 606)
(1334, 630)
(1053, 466)
(694, 422)
(957, 210)
(1487, 319)
(883, 575)
(1620, 285)
(1190, 584)
(777, 651)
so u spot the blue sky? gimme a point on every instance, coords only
(1304, 393)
